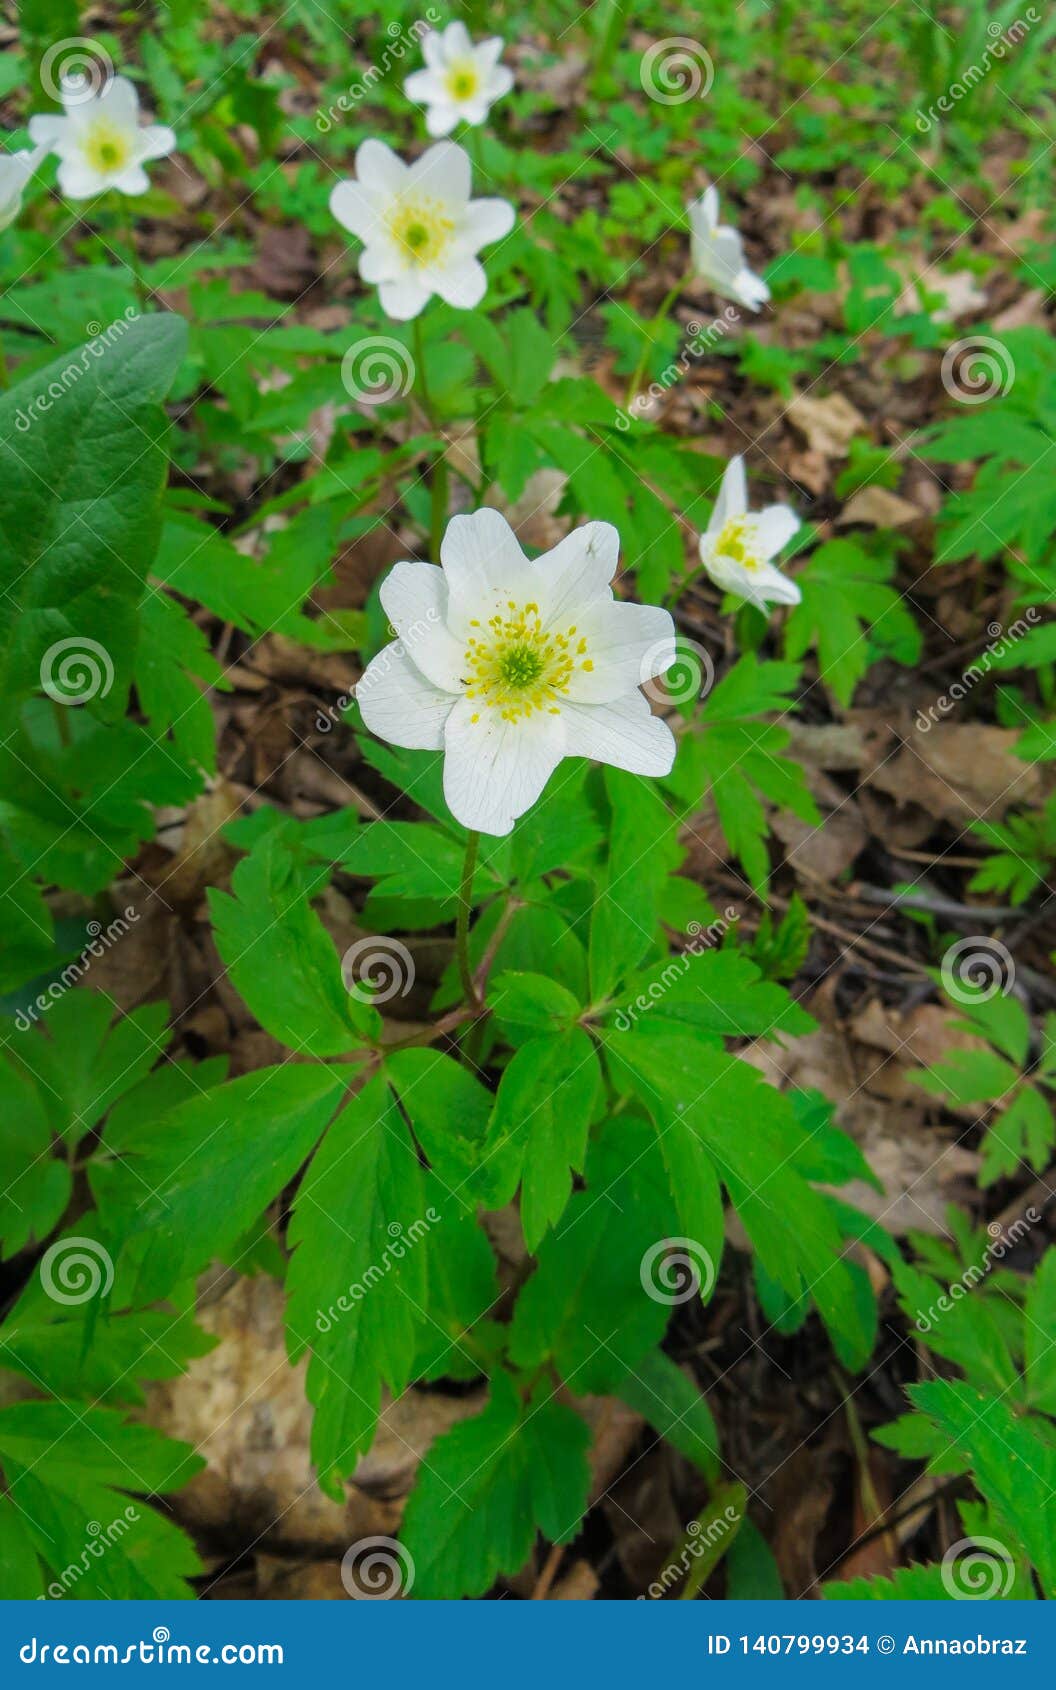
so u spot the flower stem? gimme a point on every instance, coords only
(465, 904)
(438, 475)
(665, 306)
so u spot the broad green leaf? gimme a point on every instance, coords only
(539, 1128)
(674, 1406)
(177, 1190)
(357, 1278)
(82, 469)
(282, 960)
(488, 1486)
(1040, 1335)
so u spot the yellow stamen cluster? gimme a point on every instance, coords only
(422, 229)
(462, 80)
(735, 543)
(106, 147)
(516, 666)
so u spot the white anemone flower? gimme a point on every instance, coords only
(738, 545)
(99, 141)
(420, 230)
(460, 82)
(718, 254)
(15, 171)
(507, 665)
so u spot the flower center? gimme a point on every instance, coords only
(517, 666)
(462, 80)
(106, 147)
(735, 542)
(422, 229)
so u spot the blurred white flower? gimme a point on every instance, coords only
(15, 171)
(718, 254)
(461, 82)
(420, 229)
(99, 141)
(738, 544)
(508, 665)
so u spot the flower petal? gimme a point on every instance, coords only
(441, 117)
(134, 180)
(577, 570)
(443, 171)
(355, 209)
(482, 557)
(403, 297)
(461, 284)
(733, 496)
(494, 770)
(774, 528)
(378, 168)
(624, 733)
(47, 129)
(156, 141)
(414, 597)
(486, 220)
(400, 705)
(627, 644)
(119, 100)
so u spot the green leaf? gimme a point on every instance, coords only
(531, 1003)
(357, 1278)
(674, 1406)
(718, 992)
(70, 1469)
(1013, 1461)
(1040, 1325)
(181, 1188)
(488, 1486)
(447, 1107)
(281, 958)
(81, 475)
(538, 1131)
(590, 1303)
(851, 614)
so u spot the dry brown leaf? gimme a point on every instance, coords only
(828, 424)
(877, 507)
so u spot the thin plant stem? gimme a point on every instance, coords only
(465, 898)
(131, 257)
(438, 474)
(665, 307)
